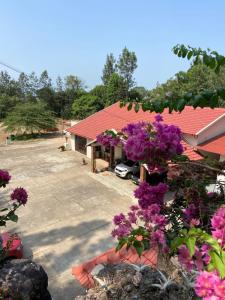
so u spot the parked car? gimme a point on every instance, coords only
(135, 179)
(13, 243)
(152, 178)
(127, 168)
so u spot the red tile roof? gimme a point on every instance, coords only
(191, 152)
(113, 117)
(215, 145)
(83, 272)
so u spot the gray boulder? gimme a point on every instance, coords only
(23, 279)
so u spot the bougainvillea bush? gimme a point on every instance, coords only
(18, 197)
(192, 224)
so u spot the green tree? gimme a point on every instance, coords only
(85, 106)
(100, 91)
(8, 86)
(138, 93)
(29, 117)
(59, 84)
(127, 63)
(116, 89)
(109, 68)
(73, 83)
(45, 80)
(7, 103)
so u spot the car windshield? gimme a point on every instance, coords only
(129, 163)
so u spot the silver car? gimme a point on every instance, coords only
(127, 168)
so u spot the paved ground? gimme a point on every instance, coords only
(68, 217)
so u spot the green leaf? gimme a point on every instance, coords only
(190, 242)
(136, 107)
(121, 243)
(122, 104)
(146, 244)
(4, 209)
(13, 217)
(181, 104)
(218, 263)
(178, 241)
(190, 53)
(129, 107)
(139, 247)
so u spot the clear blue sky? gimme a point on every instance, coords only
(74, 36)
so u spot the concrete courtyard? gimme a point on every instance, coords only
(67, 219)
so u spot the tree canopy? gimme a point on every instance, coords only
(30, 118)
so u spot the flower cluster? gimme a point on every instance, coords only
(148, 194)
(192, 214)
(147, 214)
(153, 144)
(209, 286)
(199, 260)
(20, 195)
(218, 225)
(4, 178)
(108, 139)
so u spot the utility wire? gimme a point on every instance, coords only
(10, 67)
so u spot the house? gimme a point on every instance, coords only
(203, 131)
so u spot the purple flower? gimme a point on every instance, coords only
(20, 195)
(108, 139)
(149, 195)
(158, 118)
(158, 238)
(121, 231)
(118, 219)
(132, 218)
(4, 178)
(185, 258)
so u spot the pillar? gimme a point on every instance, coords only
(142, 173)
(111, 158)
(93, 158)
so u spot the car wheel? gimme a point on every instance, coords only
(129, 176)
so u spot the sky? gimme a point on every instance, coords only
(74, 36)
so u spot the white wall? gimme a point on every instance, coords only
(222, 157)
(72, 141)
(73, 122)
(88, 153)
(118, 152)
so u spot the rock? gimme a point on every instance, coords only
(123, 281)
(23, 279)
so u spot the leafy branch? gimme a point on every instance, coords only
(206, 98)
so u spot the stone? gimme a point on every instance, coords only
(123, 281)
(23, 279)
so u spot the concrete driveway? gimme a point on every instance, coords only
(68, 217)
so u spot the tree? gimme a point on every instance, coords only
(126, 65)
(59, 84)
(138, 93)
(116, 89)
(100, 91)
(45, 80)
(7, 103)
(73, 83)
(109, 68)
(29, 118)
(8, 86)
(85, 106)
